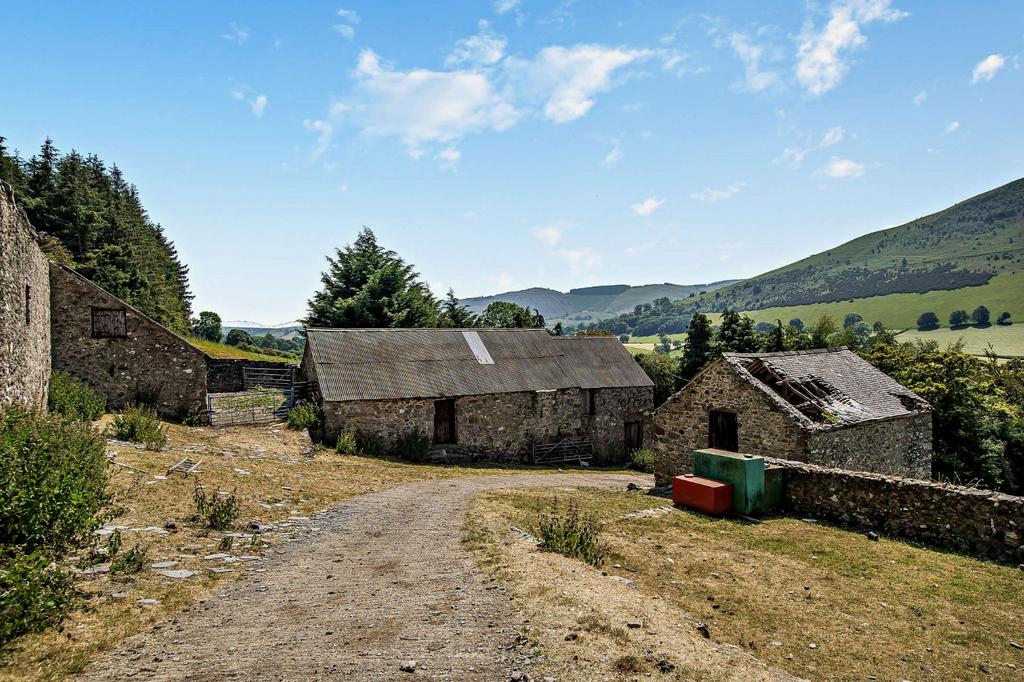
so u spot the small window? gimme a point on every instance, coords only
(109, 323)
(28, 304)
(589, 406)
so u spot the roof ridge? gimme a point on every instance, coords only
(808, 351)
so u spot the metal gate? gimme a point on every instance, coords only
(269, 394)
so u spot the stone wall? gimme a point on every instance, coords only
(504, 426)
(226, 375)
(24, 324)
(901, 447)
(149, 364)
(681, 424)
(979, 522)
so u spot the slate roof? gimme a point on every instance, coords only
(390, 364)
(827, 388)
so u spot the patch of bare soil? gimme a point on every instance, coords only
(376, 584)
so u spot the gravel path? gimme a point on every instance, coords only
(381, 581)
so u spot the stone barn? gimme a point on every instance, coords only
(500, 394)
(828, 407)
(121, 352)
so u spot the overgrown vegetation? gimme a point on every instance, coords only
(94, 221)
(53, 477)
(305, 415)
(643, 460)
(347, 444)
(74, 400)
(413, 445)
(572, 533)
(369, 443)
(131, 561)
(217, 510)
(138, 424)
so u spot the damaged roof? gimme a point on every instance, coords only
(827, 387)
(390, 364)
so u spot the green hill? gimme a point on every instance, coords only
(591, 303)
(964, 246)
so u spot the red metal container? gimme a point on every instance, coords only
(702, 494)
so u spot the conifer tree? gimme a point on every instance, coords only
(698, 350)
(454, 314)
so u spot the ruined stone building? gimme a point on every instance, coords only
(828, 407)
(489, 393)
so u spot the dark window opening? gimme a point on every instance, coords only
(444, 422)
(28, 304)
(109, 323)
(589, 406)
(634, 436)
(723, 432)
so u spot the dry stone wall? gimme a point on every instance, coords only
(226, 375)
(681, 424)
(149, 363)
(24, 308)
(504, 426)
(979, 522)
(901, 447)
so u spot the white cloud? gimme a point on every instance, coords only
(952, 127)
(821, 62)
(751, 55)
(238, 93)
(324, 132)
(343, 188)
(236, 34)
(831, 137)
(348, 15)
(647, 206)
(484, 48)
(503, 281)
(505, 6)
(345, 31)
(422, 106)
(614, 155)
(580, 260)
(920, 97)
(842, 168)
(567, 79)
(712, 195)
(449, 154)
(258, 105)
(987, 68)
(553, 233)
(792, 157)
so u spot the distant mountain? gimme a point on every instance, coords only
(287, 330)
(591, 303)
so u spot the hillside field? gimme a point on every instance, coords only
(1004, 340)
(223, 351)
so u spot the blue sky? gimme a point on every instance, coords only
(501, 145)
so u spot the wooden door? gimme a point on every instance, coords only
(723, 432)
(444, 421)
(634, 436)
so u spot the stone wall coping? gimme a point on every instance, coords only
(898, 480)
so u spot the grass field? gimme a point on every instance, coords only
(1004, 292)
(817, 601)
(1004, 340)
(225, 352)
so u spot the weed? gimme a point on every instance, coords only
(138, 424)
(132, 561)
(347, 444)
(114, 543)
(305, 415)
(217, 511)
(643, 460)
(73, 399)
(34, 594)
(226, 543)
(573, 534)
(369, 444)
(412, 445)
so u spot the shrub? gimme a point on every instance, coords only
(369, 443)
(34, 595)
(1004, 319)
(643, 459)
(132, 561)
(217, 511)
(53, 478)
(138, 424)
(413, 445)
(305, 415)
(573, 534)
(74, 400)
(347, 444)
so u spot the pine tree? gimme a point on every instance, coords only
(698, 350)
(736, 333)
(454, 314)
(775, 340)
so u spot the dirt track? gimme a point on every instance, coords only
(381, 581)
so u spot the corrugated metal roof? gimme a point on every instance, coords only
(854, 390)
(388, 364)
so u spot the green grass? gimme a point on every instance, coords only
(1004, 340)
(225, 352)
(1005, 292)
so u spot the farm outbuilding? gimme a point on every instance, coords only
(500, 394)
(828, 407)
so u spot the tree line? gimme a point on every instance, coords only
(958, 319)
(92, 219)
